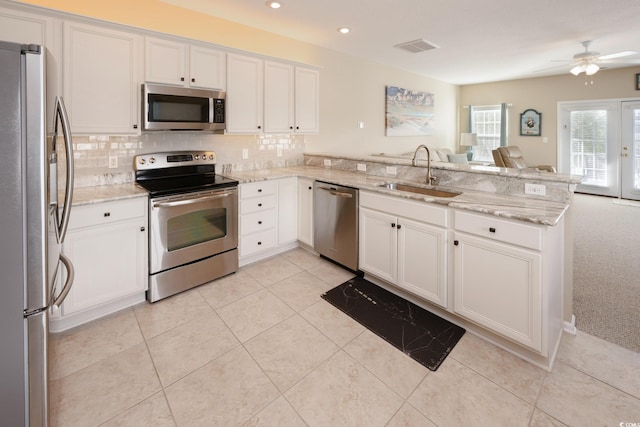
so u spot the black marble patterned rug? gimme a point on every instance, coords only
(422, 335)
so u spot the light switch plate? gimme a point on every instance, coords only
(327, 162)
(245, 153)
(113, 162)
(362, 167)
(391, 170)
(536, 189)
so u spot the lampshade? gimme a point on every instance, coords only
(468, 139)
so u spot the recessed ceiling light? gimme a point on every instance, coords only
(274, 4)
(344, 30)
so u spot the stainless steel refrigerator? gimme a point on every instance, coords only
(32, 229)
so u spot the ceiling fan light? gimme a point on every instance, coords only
(577, 69)
(591, 69)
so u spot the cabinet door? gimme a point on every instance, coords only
(101, 79)
(165, 61)
(23, 27)
(110, 263)
(307, 100)
(305, 211)
(278, 97)
(499, 286)
(207, 68)
(378, 244)
(422, 260)
(244, 94)
(287, 210)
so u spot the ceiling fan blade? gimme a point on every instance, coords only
(619, 54)
(630, 61)
(553, 68)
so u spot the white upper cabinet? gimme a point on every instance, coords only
(175, 63)
(279, 98)
(307, 100)
(244, 94)
(101, 80)
(23, 27)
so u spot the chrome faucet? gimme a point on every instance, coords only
(430, 179)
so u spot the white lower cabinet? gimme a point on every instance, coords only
(107, 244)
(404, 243)
(502, 278)
(305, 211)
(268, 218)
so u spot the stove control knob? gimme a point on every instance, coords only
(142, 161)
(211, 157)
(197, 157)
(152, 160)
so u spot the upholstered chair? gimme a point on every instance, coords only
(511, 157)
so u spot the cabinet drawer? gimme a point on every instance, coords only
(528, 236)
(261, 188)
(258, 242)
(107, 212)
(258, 221)
(418, 211)
(257, 204)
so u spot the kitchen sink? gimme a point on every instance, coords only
(419, 190)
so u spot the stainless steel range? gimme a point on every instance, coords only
(193, 220)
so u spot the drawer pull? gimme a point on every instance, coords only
(259, 205)
(492, 230)
(455, 243)
(259, 222)
(399, 226)
(310, 188)
(259, 243)
(106, 214)
(393, 225)
(259, 190)
(142, 228)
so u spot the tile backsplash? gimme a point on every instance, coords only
(108, 159)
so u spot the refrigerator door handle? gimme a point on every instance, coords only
(61, 112)
(55, 305)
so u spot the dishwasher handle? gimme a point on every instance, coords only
(334, 192)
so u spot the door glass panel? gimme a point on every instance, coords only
(636, 149)
(588, 146)
(196, 227)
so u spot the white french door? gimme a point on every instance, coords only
(600, 140)
(630, 152)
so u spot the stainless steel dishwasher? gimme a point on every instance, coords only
(335, 223)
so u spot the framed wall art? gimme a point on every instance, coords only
(530, 123)
(637, 82)
(408, 112)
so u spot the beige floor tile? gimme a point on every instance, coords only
(575, 398)
(227, 391)
(393, 367)
(607, 362)
(229, 289)
(341, 392)
(302, 258)
(85, 345)
(96, 394)
(254, 314)
(299, 291)
(508, 371)
(166, 314)
(331, 273)
(540, 419)
(277, 414)
(408, 416)
(153, 412)
(272, 270)
(456, 395)
(290, 350)
(332, 322)
(190, 346)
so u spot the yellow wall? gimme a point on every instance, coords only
(543, 94)
(351, 89)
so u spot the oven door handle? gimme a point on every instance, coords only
(190, 201)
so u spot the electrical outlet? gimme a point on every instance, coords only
(245, 153)
(536, 189)
(327, 162)
(113, 162)
(391, 170)
(279, 151)
(362, 167)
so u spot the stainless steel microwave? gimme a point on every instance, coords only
(181, 108)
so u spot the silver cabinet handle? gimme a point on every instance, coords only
(190, 201)
(337, 193)
(67, 286)
(61, 112)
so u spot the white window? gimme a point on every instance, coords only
(486, 123)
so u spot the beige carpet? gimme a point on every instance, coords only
(607, 269)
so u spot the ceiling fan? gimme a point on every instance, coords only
(589, 62)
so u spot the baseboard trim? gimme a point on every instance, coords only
(570, 327)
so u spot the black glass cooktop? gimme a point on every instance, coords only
(158, 186)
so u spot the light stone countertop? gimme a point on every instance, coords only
(104, 193)
(535, 210)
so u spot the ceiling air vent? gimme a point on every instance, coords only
(416, 46)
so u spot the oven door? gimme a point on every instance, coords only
(189, 227)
